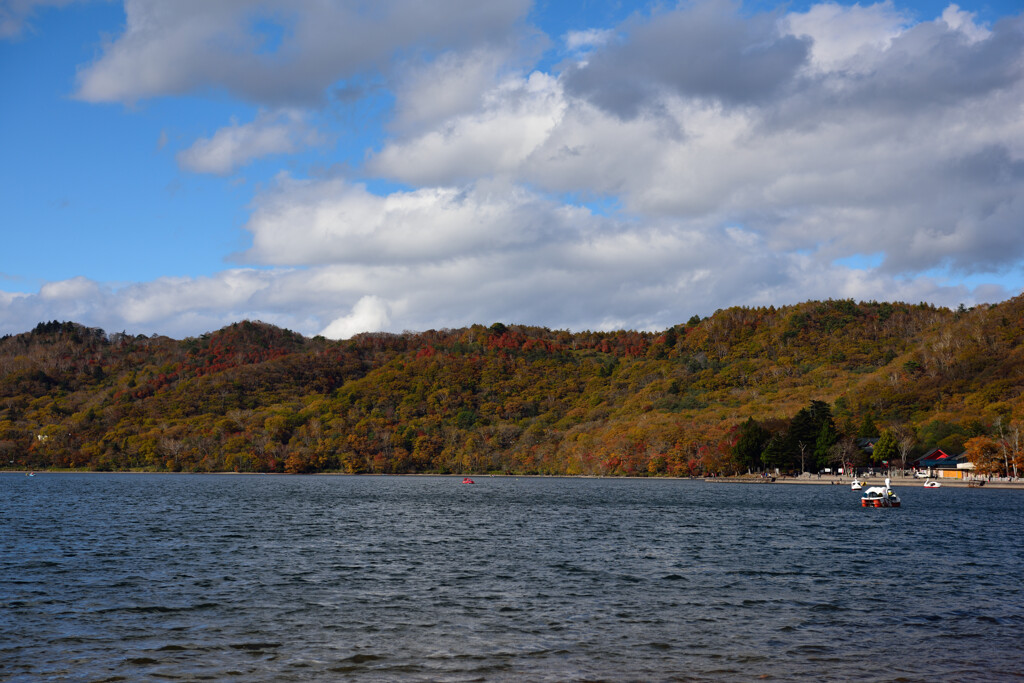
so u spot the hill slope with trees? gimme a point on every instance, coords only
(744, 389)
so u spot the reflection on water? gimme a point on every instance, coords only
(268, 578)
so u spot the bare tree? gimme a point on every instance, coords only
(905, 442)
(1013, 438)
(842, 452)
(803, 452)
(1009, 444)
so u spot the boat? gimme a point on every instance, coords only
(855, 485)
(31, 474)
(880, 497)
(467, 480)
(932, 484)
(973, 484)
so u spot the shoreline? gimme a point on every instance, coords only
(788, 481)
(868, 481)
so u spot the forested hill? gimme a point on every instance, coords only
(252, 397)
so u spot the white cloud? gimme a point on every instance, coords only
(451, 85)
(69, 290)
(868, 135)
(238, 144)
(846, 36)
(576, 41)
(920, 156)
(963, 21)
(513, 119)
(370, 314)
(275, 51)
(301, 222)
(8, 298)
(615, 278)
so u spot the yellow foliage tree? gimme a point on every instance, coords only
(984, 454)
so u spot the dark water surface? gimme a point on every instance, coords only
(264, 578)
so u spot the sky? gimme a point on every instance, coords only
(347, 166)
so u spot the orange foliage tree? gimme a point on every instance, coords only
(984, 453)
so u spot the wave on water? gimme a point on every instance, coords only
(115, 577)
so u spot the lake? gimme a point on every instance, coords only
(298, 578)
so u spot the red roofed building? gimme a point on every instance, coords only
(946, 465)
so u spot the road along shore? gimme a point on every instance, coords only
(866, 481)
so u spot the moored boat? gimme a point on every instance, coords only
(932, 484)
(855, 485)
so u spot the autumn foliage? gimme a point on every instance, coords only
(742, 390)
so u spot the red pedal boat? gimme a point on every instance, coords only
(880, 497)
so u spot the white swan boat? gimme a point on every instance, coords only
(932, 484)
(880, 497)
(855, 485)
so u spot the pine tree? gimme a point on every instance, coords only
(827, 437)
(751, 443)
(867, 428)
(886, 448)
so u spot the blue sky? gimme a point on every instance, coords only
(171, 168)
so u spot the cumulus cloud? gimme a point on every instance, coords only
(303, 222)
(176, 306)
(274, 51)
(69, 290)
(963, 21)
(453, 84)
(846, 37)
(919, 156)
(513, 119)
(702, 158)
(370, 314)
(704, 50)
(238, 144)
(616, 278)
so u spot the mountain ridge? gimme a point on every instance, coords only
(506, 398)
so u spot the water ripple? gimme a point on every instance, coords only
(184, 577)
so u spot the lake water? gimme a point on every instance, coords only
(275, 578)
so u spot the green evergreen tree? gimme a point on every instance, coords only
(867, 428)
(750, 445)
(775, 453)
(886, 448)
(827, 437)
(802, 432)
(805, 433)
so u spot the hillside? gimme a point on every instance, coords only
(510, 398)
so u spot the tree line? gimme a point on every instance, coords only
(745, 389)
